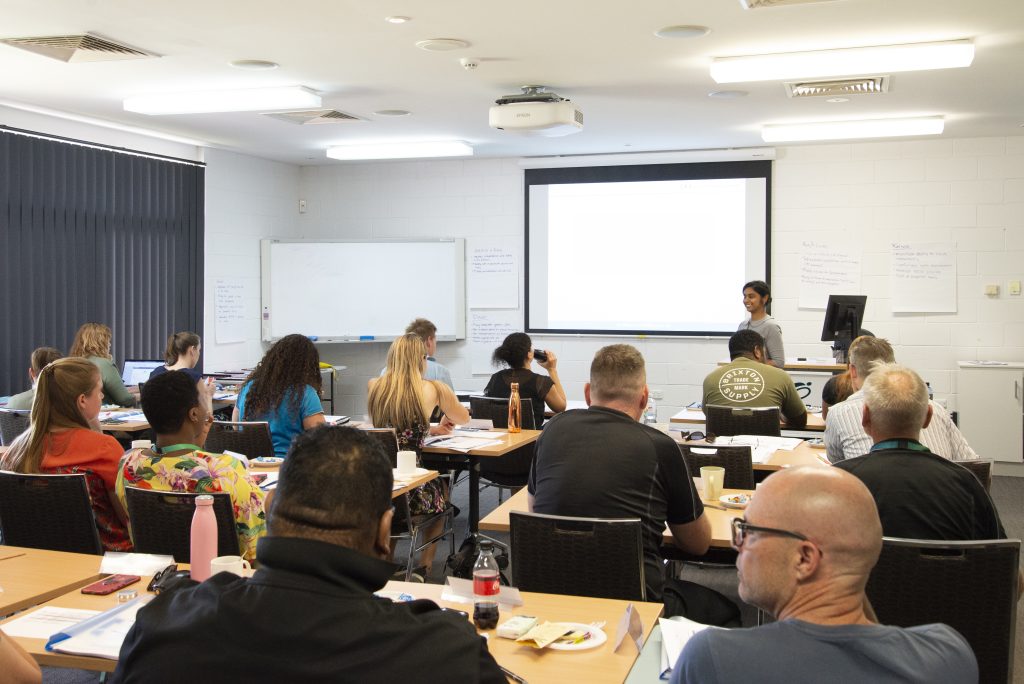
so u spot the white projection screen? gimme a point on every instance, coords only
(645, 250)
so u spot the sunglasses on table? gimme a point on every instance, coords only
(165, 578)
(697, 435)
(741, 528)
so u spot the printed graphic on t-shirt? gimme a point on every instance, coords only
(741, 384)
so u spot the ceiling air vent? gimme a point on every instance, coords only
(314, 116)
(87, 47)
(839, 88)
(762, 4)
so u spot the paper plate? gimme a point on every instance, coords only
(419, 472)
(597, 637)
(735, 500)
(395, 596)
(266, 461)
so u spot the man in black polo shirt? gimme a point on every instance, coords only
(309, 613)
(601, 462)
(919, 495)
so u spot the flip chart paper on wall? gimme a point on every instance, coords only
(487, 330)
(922, 277)
(493, 270)
(230, 296)
(827, 268)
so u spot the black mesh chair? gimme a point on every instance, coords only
(733, 420)
(12, 424)
(161, 522)
(388, 441)
(578, 556)
(251, 439)
(495, 409)
(969, 585)
(982, 469)
(48, 512)
(739, 469)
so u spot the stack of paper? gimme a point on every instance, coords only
(462, 443)
(761, 446)
(675, 632)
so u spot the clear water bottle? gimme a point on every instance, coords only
(651, 414)
(486, 586)
(204, 538)
(515, 410)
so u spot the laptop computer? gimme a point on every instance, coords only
(138, 370)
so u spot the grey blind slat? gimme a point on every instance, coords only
(92, 234)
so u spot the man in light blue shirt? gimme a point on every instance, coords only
(806, 546)
(428, 333)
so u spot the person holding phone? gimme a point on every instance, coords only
(517, 353)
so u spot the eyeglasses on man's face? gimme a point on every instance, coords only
(741, 528)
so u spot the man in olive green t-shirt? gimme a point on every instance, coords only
(749, 382)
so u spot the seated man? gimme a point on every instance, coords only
(806, 546)
(844, 436)
(40, 358)
(919, 494)
(180, 411)
(428, 333)
(309, 613)
(601, 463)
(749, 382)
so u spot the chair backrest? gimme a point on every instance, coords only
(578, 556)
(982, 469)
(388, 440)
(48, 512)
(969, 585)
(739, 468)
(161, 522)
(735, 420)
(251, 438)
(496, 410)
(12, 424)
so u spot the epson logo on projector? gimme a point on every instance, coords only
(523, 115)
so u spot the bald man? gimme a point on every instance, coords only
(806, 546)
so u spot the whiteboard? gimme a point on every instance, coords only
(361, 291)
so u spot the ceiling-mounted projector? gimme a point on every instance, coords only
(536, 112)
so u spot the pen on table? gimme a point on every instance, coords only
(513, 676)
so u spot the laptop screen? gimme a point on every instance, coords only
(136, 370)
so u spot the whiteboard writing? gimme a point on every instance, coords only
(229, 307)
(487, 330)
(493, 273)
(825, 269)
(922, 277)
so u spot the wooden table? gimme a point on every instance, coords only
(598, 665)
(31, 576)
(807, 365)
(815, 423)
(508, 442)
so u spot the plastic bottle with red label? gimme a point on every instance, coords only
(486, 585)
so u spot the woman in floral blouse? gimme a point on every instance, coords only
(180, 412)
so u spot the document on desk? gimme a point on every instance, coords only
(675, 632)
(40, 624)
(462, 443)
(100, 636)
(761, 446)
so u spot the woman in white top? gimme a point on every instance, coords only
(756, 297)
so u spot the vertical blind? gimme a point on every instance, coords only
(90, 234)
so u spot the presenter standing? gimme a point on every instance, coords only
(757, 296)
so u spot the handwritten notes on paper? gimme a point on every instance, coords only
(922, 277)
(229, 303)
(493, 271)
(487, 330)
(827, 268)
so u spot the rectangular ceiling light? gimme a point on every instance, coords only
(209, 101)
(846, 130)
(406, 150)
(844, 62)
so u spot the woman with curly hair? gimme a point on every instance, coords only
(92, 341)
(64, 437)
(284, 390)
(403, 399)
(516, 352)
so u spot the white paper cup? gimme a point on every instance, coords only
(232, 564)
(141, 443)
(406, 462)
(711, 479)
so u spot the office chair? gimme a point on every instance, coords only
(161, 522)
(982, 469)
(12, 424)
(48, 512)
(495, 409)
(249, 438)
(732, 420)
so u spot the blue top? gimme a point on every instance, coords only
(435, 371)
(284, 426)
(192, 372)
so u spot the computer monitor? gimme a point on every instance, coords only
(843, 316)
(138, 370)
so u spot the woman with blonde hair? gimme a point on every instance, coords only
(92, 342)
(64, 437)
(404, 400)
(183, 349)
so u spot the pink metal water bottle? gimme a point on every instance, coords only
(204, 538)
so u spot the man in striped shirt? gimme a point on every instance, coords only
(844, 435)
